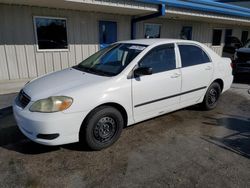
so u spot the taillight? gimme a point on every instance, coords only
(233, 65)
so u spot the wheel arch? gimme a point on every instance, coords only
(117, 106)
(220, 82)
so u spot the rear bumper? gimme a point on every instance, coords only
(48, 128)
(227, 82)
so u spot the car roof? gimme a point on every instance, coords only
(155, 41)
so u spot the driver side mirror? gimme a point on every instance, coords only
(143, 71)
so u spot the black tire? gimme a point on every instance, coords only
(102, 128)
(212, 96)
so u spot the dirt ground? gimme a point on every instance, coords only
(187, 148)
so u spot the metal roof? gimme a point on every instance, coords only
(205, 6)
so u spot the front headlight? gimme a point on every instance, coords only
(52, 104)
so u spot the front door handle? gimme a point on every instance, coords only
(208, 68)
(176, 75)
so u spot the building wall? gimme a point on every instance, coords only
(20, 60)
(202, 31)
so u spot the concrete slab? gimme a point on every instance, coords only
(187, 148)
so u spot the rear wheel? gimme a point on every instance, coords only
(212, 96)
(102, 128)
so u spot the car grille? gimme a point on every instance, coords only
(23, 99)
(243, 57)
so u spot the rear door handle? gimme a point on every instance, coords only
(176, 75)
(208, 68)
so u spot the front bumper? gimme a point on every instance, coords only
(33, 124)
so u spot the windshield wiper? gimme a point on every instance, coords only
(81, 68)
(103, 73)
(92, 71)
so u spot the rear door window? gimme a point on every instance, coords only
(192, 55)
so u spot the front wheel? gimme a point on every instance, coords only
(102, 128)
(212, 96)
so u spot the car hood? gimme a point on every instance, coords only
(244, 50)
(60, 82)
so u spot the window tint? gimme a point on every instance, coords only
(232, 42)
(160, 59)
(111, 60)
(152, 31)
(192, 55)
(51, 33)
(217, 34)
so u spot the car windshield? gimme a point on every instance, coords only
(247, 45)
(112, 60)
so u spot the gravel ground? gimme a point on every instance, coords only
(187, 148)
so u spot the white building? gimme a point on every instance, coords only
(41, 36)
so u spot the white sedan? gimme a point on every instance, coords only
(118, 86)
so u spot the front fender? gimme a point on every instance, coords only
(87, 99)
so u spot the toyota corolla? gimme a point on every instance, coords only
(123, 84)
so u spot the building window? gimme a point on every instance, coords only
(217, 34)
(186, 33)
(244, 36)
(107, 33)
(51, 33)
(152, 31)
(228, 35)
